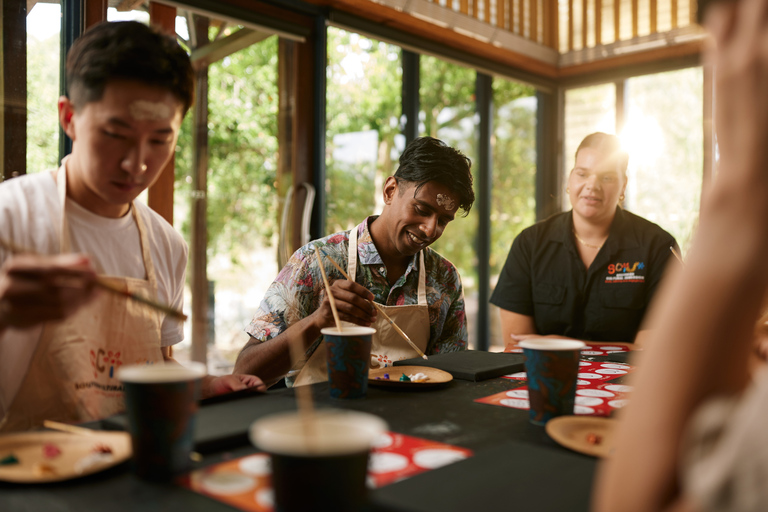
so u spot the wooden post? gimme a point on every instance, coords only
(584, 23)
(654, 15)
(13, 88)
(570, 25)
(635, 16)
(161, 193)
(96, 12)
(673, 9)
(199, 242)
(534, 9)
(598, 22)
(286, 89)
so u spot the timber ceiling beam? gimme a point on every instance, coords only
(128, 5)
(217, 50)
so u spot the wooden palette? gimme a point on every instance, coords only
(589, 435)
(436, 377)
(77, 456)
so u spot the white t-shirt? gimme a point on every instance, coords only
(30, 217)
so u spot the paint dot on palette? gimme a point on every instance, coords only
(618, 404)
(619, 388)
(582, 409)
(265, 497)
(594, 392)
(517, 403)
(518, 393)
(615, 366)
(256, 465)
(518, 375)
(436, 458)
(590, 376)
(610, 371)
(384, 462)
(588, 400)
(591, 352)
(382, 441)
(615, 349)
(585, 363)
(583, 382)
(227, 483)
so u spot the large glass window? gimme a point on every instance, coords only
(587, 110)
(447, 95)
(242, 183)
(513, 203)
(662, 133)
(664, 137)
(363, 139)
(43, 48)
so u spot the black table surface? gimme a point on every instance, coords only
(515, 464)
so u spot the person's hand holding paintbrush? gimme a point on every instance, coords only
(353, 302)
(38, 288)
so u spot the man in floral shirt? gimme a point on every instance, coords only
(423, 295)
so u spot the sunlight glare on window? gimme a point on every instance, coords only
(642, 139)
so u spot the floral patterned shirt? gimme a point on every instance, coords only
(298, 290)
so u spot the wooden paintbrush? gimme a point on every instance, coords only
(105, 285)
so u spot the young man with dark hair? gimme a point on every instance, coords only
(128, 90)
(389, 258)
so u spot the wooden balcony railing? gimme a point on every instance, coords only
(569, 25)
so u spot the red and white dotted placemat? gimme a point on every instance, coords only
(245, 483)
(594, 396)
(592, 349)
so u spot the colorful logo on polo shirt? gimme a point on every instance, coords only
(625, 272)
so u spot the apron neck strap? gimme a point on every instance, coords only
(352, 264)
(66, 243)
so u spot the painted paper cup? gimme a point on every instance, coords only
(322, 466)
(552, 367)
(161, 402)
(348, 353)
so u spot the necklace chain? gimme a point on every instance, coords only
(591, 246)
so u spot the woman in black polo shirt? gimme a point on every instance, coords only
(588, 273)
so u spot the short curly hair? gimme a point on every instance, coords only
(428, 159)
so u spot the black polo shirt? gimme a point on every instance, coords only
(545, 278)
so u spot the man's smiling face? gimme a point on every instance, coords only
(417, 216)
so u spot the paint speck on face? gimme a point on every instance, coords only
(142, 110)
(446, 202)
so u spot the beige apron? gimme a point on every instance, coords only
(387, 345)
(72, 375)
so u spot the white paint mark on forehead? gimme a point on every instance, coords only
(446, 201)
(142, 110)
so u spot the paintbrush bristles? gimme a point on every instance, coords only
(677, 254)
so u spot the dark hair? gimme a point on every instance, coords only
(127, 50)
(609, 145)
(428, 159)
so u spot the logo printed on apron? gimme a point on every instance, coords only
(72, 374)
(387, 345)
